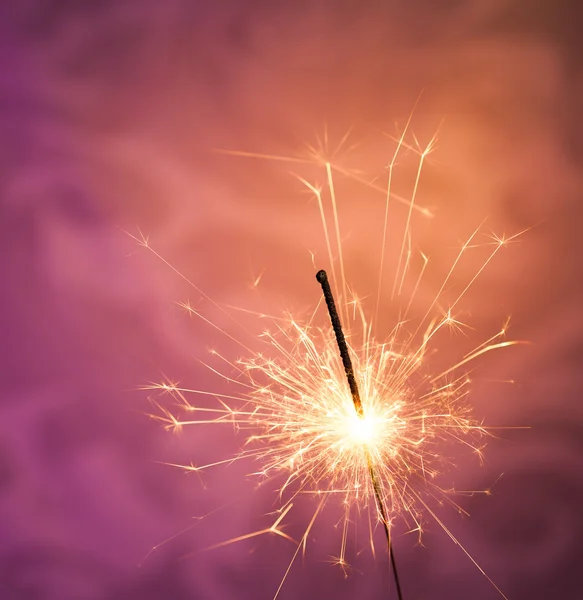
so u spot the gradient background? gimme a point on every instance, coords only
(109, 112)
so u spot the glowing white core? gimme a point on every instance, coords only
(362, 430)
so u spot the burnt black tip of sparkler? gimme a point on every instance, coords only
(321, 276)
(341, 341)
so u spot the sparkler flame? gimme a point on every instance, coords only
(375, 444)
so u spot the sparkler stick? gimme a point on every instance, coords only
(322, 278)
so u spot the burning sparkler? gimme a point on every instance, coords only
(375, 443)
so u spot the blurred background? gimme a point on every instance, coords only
(111, 114)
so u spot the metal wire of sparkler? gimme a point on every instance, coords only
(322, 278)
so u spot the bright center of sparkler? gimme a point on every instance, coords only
(363, 430)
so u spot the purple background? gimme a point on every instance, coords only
(109, 112)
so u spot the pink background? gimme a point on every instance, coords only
(109, 115)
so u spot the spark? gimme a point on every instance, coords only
(375, 445)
